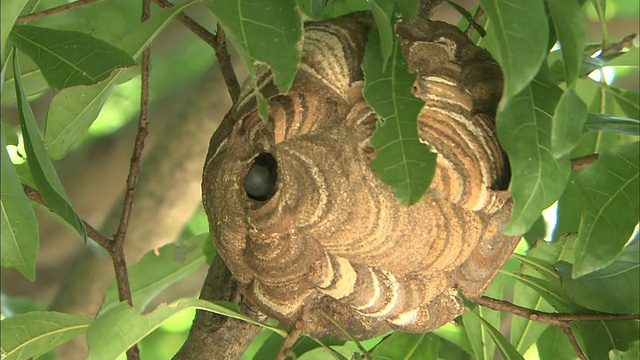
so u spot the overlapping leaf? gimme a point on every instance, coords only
(568, 120)
(73, 110)
(524, 129)
(40, 166)
(506, 349)
(10, 11)
(19, 227)
(603, 122)
(407, 346)
(610, 190)
(69, 58)
(155, 272)
(569, 25)
(32, 334)
(119, 328)
(402, 161)
(521, 30)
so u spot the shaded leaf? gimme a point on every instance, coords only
(613, 289)
(401, 161)
(604, 122)
(116, 330)
(600, 337)
(569, 25)
(34, 333)
(155, 272)
(10, 11)
(568, 120)
(19, 226)
(553, 344)
(69, 58)
(40, 166)
(408, 8)
(338, 352)
(454, 334)
(263, 32)
(610, 213)
(33, 82)
(632, 354)
(521, 29)
(383, 15)
(73, 110)
(524, 129)
(507, 350)
(408, 347)
(549, 291)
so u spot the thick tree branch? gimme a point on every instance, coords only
(39, 15)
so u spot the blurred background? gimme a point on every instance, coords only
(183, 70)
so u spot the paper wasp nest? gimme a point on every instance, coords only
(303, 222)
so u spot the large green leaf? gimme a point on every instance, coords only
(404, 346)
(402, 161)
(600, 337)
(40, 165)
(610, 213)
(119, 328)
(10, 10)
(156, 271)
(613, 289)
(525, 129)
(264, 32)
(69, 58)
(32, 334)
(569, 24)
(73, 110)
(568, 120)
(19, 227)
(521, 30)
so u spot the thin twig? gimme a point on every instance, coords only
(39, 15)
(617, 47)
(217, 42)
(92, 233)
(574, 342)
(476, 19)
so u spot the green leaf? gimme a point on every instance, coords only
(10, 11)
(610, 213)
(569, 24)
(33, 83)
(73, 110)
(553, 344)
(34, 333)
(604, 122)
(525, 332)
(568, 120)
(521, 29)
(384, 16)
(613, 289)
(40, 165)
(156, 271)
(524, 128)
(408, 8)
(402, 161)
(507, 350)
(408, 347)
(9, 134)
(632, 354)
(600, 337)
(69, 58)
(339, 352)
(549, 291)
(263, 32)
(19, 226)
(119, 328)
(456, 335)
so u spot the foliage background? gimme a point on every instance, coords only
(180, 59)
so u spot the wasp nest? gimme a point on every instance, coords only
(306, 226)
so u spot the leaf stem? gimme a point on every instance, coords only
(39, 15)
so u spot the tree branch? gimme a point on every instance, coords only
(39, 15)
(219, 45)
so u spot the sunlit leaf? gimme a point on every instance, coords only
(73, 110)
(19, 227)
(568, 120)
(119, 328)
(553, 344)
(264, 32)
(34, 333)
(455, 334)
(402, 161)
(42, 170)
(569, 24)
(524, 129)
(69, 58)
(521, 29)
(613, 289)
(408, 347)
(155, 272)
(610, 213)
(507, 350)
(632, 354)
